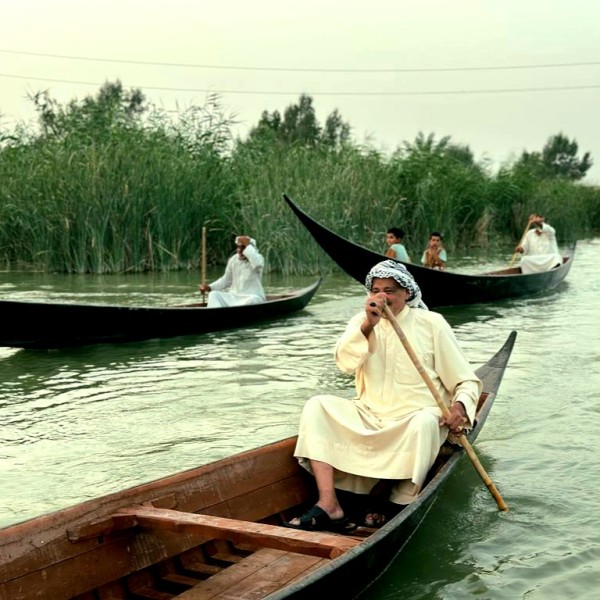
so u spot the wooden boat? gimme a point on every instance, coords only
(215, 532)
(58, 325)
(439, 288)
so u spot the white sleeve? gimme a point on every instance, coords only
(353, 349)
(454, 370)
(548, 229)
(224, 282)
(255, 258)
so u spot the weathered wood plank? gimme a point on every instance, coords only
(256, 576)
(323, 544)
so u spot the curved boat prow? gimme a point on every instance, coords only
(438, 287)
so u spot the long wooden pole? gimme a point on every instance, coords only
(445, 411)
(203, 260)
(512, 260)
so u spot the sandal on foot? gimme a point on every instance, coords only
(376, 514)
(316, 519)
(375, 518)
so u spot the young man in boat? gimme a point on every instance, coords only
(434, 255)
(382, 443)
(242, 281)
(396, 249)
(539, 247)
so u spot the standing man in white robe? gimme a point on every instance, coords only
(241, 283)
(384, 441)
(539, 247)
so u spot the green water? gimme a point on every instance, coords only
(79, 423)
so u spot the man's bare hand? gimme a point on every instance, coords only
(457, 419)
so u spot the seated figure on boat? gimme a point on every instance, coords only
(241, 283)
(396, 249)
(382, 443)
(539, 247)
(434, 255)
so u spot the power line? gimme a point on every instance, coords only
(308, 70)
(298, 93)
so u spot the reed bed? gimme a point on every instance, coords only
(136, 196)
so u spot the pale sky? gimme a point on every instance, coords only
(392, 68)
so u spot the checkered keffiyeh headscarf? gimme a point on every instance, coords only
(390, 269)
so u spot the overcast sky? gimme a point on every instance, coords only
(498, 75)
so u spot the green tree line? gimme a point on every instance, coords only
(112, 184)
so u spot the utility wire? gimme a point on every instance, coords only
(309, 70)
(296, 93)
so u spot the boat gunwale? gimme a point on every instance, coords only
(467, 288)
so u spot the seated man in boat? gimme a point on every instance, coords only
(241, 283)
(396, 249)
(434, 255)
(539, 247)
(383, 442)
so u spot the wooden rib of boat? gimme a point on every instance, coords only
(439, 288)
(44, 325)
(216, 532)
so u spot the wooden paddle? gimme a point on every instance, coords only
(445, 411)
(203, 260)
(512, 260)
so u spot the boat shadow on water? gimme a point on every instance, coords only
(463, 505)
(458, 315)
(42, 365)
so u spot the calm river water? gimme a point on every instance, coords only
(78, 423)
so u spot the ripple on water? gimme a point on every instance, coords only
(82, 422)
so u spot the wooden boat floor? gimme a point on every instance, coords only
(255, 576)
(252, 559)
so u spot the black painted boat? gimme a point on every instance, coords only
(44, 325)
(216, 532)
(439, 288)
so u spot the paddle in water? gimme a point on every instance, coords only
(445, 412)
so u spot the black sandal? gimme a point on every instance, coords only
(316, 519)
(376, 513)
(375, 518)
(381, 511)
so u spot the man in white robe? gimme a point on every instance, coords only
(241, 283)
(539, 247)
(391, 433)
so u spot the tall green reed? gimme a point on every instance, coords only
(134, 195)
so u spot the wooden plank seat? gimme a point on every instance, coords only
(321, 544)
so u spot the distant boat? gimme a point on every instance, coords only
(216, 532)
(439, 288)
(44, 325)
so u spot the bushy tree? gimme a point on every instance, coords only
(428, 147)
(557, 160)
(299, 125)
(111, 108)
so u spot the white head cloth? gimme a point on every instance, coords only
(252, 240)
(390, 269)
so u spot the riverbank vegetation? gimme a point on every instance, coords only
(112, 184)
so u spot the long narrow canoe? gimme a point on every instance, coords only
(57, 325)
(216, 532)
(439, 288)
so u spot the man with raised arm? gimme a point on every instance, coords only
(241, 283)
